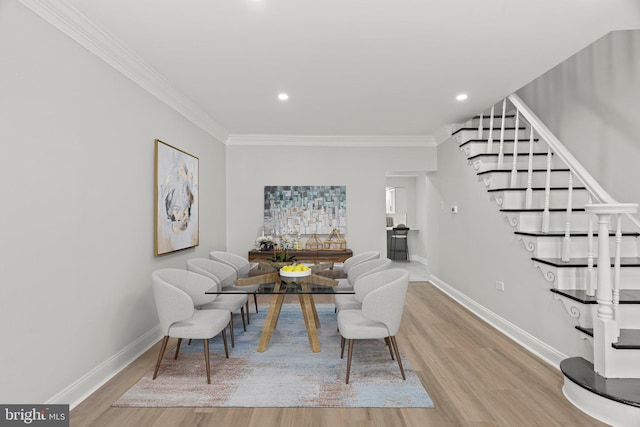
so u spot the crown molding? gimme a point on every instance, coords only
(333, 140)
(79, 28)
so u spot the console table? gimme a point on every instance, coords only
(306, 255)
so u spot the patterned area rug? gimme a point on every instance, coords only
(288, 374)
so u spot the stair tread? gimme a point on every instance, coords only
(627, 296)
(629, 339)
(504, 154)
(508, 116)
(493, 190)
(541, 210)
(520, 170)
(494, 129)
(582, 262)
(497, 142)
(573, 234)
(623, 390)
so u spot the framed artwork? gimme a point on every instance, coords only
(176, 199)
(305, 209)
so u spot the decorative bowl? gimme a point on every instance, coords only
(295, 273)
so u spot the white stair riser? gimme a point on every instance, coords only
(557, 199)
(532, 221)
(469, 134)
(551, 247)
(538, 179)
(629, 314)
(481, 164)
(576, 277)
(497, 122)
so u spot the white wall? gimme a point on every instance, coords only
(77, 168)
(360, 169)
(590, 102)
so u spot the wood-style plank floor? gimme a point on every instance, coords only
(475, 376)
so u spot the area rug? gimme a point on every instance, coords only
(288, 374)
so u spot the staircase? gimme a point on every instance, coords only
(584, 242)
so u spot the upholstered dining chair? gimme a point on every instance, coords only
(221, 273)
(379, 316)
(358, 270)
(359, 258)
(179, 317)
(364, 284)
(240, 264)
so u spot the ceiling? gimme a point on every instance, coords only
(352, 67)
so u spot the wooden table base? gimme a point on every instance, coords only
(309, 314)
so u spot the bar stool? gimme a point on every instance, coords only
(399, 242)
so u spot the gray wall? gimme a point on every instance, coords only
(590, 102)
(77, 169)
(361, 169)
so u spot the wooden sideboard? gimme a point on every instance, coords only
(313, 255)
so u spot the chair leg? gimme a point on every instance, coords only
(255, 300)
(342, 348)
(248, 319)
(244, 324)
(163, 347)
(349, 360)
(189, 342)
(206, 359)
(224, 340)
(178, 348)
(395, 347)
(233, 340)
(386, 340)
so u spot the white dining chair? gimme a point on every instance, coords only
(358, 270)
(180, 319)
(357, 259)
(379, 316)
(362, 286)
(240, 264)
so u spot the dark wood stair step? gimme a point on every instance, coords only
(627, 296)
(494, 190)
(504, 154)
(520, 170)
(623, 390)
(542, 209)
(629, 338)
(573, 234)
(582, 262)
(508, 116)
(495, 130)
(497, 142)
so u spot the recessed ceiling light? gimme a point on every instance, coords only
(462, 97)
(283, 96)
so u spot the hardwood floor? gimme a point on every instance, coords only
(475, 376)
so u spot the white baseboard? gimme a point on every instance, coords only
(97, 377)
(528, 341)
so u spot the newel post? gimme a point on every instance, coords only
(605, 328)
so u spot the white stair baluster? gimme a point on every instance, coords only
(490, 142)
(547, 195)
(616, 273)
(501, 151)
(591, 279)
(480, 126)
(529, 192)
(514, 167)
(566, 243)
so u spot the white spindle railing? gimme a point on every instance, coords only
(600, 206)
(480, 126)
(591, 279)
(566, 242)
(490, 140)
(547, 194)
(514, 166)
(528, 203)
(501, 150)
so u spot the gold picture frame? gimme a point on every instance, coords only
(176, 199)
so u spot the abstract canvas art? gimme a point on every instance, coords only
(176, 199)
(305, 209)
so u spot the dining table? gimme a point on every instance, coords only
(278, 284)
